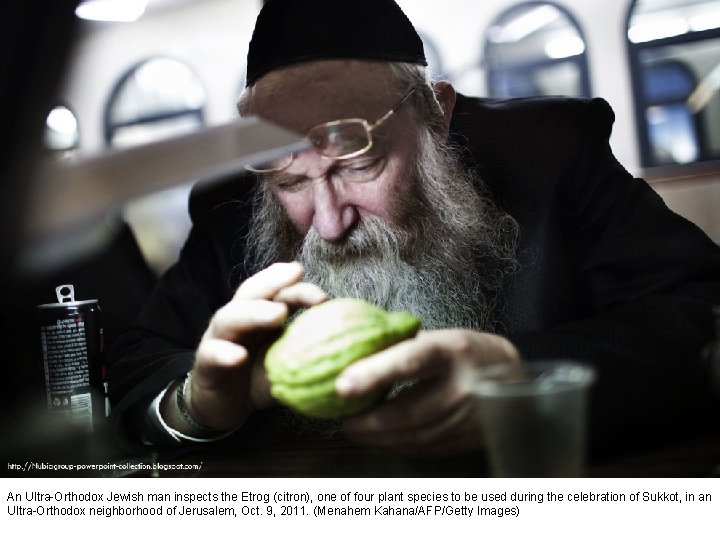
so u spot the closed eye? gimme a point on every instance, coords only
(290, 183)
(363, 169)
(360, 169)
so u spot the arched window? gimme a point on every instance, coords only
(535, 48)
(157, 98)
(674, 55)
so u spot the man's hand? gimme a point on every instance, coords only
(228, 381)
(439, 415)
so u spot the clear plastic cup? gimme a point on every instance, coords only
(535, 418)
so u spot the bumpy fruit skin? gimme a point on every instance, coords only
(315, 347)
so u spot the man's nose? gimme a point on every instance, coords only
(333, 215)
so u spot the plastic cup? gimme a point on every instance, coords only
(535, 418)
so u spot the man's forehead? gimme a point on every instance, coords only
(304, 95)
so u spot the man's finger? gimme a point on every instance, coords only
(240, 317)
(268, 282)
(301, 294)
(217, 354)
(425, 404)
(427, 354)
(410, 359)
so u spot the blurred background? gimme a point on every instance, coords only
(171, 66)
(85, 77)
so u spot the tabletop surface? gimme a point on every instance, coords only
(320, 455)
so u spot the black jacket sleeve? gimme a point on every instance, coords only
(161, 345)
(608, 274)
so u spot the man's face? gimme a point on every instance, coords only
(327, 195)
(418, 235)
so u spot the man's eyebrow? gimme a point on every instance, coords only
(280, 176)
(277, 177)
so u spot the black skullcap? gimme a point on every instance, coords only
(293, 31)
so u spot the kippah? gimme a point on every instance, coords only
(293, 31)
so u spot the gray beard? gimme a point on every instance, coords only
(444, 258)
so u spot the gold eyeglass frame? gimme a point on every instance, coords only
(369, 128)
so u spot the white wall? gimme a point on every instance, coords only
(699, 201)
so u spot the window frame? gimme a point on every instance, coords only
(580, 60)
(641, 104)
(110, 126)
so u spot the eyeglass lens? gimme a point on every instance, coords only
(340, 139)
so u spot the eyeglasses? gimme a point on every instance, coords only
(339, 139)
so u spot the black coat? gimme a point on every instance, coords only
(608, 275)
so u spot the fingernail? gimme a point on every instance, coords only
(271, 310)
(344, 385)
(320, 296)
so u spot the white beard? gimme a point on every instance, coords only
(446, 261)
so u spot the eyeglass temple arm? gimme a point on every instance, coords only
(388, 114)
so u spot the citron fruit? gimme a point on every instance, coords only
(318, 344)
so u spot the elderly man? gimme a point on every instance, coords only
(507, 227)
